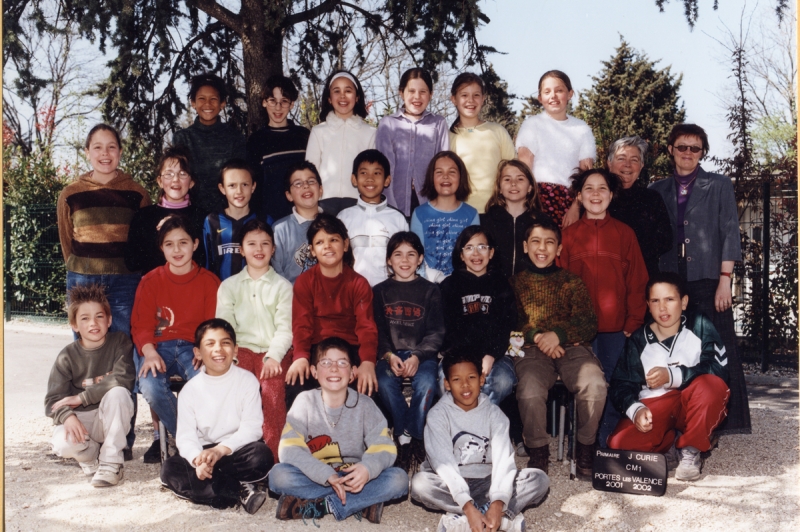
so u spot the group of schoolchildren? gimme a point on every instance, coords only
(285, 333)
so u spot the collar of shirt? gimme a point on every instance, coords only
(373, 206)
(299, 218)
(400, 114)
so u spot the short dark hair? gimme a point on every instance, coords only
(213, 323)
(398, 239)
(334, 342)
(360, 108)
(416, 73)
(254, 225)
(466, 235)
(175, 153)
(286, 85)
(303, 165)
(333, 226)
(667, 278)
(102, 127)
(207, 79)
(235, 164)
(688, 130)
(177, 221)
(579, 179)
(464, 188)
(372, 156)
(85, 293)
(546, 223)
(457, 355)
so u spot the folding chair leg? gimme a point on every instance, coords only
(573, 440)
(162, 440)
(562, 413)
(553, 426)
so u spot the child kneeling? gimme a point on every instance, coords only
(89, 390)
(671, 378)
(221, 455)
(336, 453)
(470, 472)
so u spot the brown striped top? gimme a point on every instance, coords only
(93, 222)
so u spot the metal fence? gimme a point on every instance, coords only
(35, 277)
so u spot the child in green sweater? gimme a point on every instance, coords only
(558, 321)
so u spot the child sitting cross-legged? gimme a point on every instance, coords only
(89, 389)
(336, 453)
(558, 323)
(221, 455)
(671, 381)
(470, 472)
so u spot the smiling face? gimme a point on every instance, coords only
(305, 190)
(476, 254)
(328, 249)
(445, 177)
(627, 164)
(666, 305)
(595, 197)
(103, 154)
(257, 249)
(514, 185)
(238, 187)
(686, 161)
(178, 247)
(174, 181)
(542, 247)
(207, 104)
(370, 181)
(338, 373)
(343, 97)
(469, 100)
(91, 324)
(554, 97)
(217, 351)
(464, 382)
(404, 262)
(278, 107)
(416, 97)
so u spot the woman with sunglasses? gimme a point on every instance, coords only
(706, 244)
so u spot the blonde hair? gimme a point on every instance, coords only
(532, 200)
(87, 293)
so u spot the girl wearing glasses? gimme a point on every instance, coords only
(480, 310)
(706, 244)
(174, 180)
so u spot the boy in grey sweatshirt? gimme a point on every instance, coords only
(470, 471)
(336, 453)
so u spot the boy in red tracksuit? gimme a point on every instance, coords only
(605, 254)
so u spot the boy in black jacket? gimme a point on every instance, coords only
(672, 377)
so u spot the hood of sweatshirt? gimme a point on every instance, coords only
(87, 180)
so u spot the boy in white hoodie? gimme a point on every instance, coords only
(470, 472)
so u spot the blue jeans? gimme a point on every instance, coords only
(499, 384)
(178, 356)
(391, 484)
(608, 347)
(407, 418)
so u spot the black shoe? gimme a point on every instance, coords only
(403, 460)
(417, 452)
(585, 458)
(251, 498)
(539, 457)
(127, 454)
(153, 454)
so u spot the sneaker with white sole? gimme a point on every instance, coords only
(513, 525)
(89, 468)
(689, 467)
(107, 475)
(251, 498)
(451, 522)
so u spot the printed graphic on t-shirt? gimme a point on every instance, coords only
(302, 257)
(91, 381)
(166, 318)
(403, 313)
(442, 231)
(475, 304)
(229, 249)
(470, 448)
(324, 449)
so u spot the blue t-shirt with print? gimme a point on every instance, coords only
(439, 230)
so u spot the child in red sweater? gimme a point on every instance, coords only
(604, 252)
(330, 299)
(171, 301)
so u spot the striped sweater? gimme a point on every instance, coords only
(93, 222)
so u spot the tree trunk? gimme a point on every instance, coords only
(262, 46)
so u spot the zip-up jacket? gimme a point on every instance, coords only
(508, 233)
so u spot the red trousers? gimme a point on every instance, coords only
(273, 396)
(695, 411)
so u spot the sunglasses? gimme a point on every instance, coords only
(694, 149)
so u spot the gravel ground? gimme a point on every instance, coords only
(750, 482)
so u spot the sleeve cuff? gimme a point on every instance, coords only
(631, 411)
(462, 499)
(561, 333)
(676, 377)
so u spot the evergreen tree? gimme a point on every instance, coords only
(630, 96)
(498, 101)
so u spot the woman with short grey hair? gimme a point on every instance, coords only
(636, 206)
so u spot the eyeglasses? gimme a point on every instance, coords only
(272, 102)
(327, 363)
(694, 149)
(480, 248)
(311, 183)
(169, 176)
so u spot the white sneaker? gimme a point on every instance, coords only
(513, 525)
(453, 523)
(521, 452)
(89, 468)
(107, 475)
(689, 468)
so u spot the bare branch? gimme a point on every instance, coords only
(227, 17)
